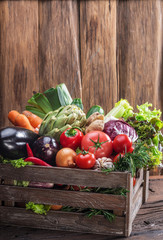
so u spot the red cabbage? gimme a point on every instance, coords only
(116, 127)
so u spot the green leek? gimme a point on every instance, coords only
(35, 111)
(58, 96)
(43, 103)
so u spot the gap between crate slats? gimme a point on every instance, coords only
(62, 221)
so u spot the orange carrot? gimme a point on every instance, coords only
(22, 121)
(34, 120)
(56, 207)
(12, 116)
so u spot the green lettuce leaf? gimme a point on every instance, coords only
(38, 208)
(146, 114)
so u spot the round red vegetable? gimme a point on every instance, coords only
(85, 160)
(98, 143)
(122, 143)
(117, 157)
(131, 149)
(71, 138)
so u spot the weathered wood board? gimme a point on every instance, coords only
(124, 208)
(103, 50)
(18, 55)
(148, 224)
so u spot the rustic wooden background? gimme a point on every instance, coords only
(103, 50)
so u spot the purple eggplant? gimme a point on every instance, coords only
(46, 149)
(13, 141)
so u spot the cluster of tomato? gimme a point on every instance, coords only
(93, 145)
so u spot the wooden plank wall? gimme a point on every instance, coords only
(103, 50)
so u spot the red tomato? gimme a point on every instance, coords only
(98, 143)
(131, 149)
(134, 181)
(85, 160)
(121, 143)
(71, 138)
(117, 157)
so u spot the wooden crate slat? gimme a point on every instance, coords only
(139, 181)
(137, 202)
(54, 220)
(61, 197)
(68, 176)
(128, 223)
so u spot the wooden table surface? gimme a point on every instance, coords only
(148, 223)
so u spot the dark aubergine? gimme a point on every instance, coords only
(13, 142)
(46, 149)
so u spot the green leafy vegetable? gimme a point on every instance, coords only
(16, 163)
(38, 208)
(121, 109)
(114, 191)
(58, 96)
(35, 111)
(139, 158)
(146, 114)
(90, 212)
(21, 183)
(106, 213)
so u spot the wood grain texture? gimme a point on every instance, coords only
(128, 219)
(18, 55)
(98, 53)
(136, 203)
(68, 176)
(102, 50)
(59, 54)
(140, 49)
(149, 218)
(62, 221)
(9, 202)
(146, 186)
(61, 197)
(148, 224)
(139, 182)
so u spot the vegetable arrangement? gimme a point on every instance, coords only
(55, 131)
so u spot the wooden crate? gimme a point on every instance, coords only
(125, 208)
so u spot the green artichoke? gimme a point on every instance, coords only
(56, 122)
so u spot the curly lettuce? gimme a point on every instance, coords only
(38, 208)
(148, 125)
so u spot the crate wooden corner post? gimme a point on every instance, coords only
(145, 185)
(128, 220)
(134, 199)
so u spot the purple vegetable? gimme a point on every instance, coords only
(41, 185)
(116, 127)
(46, 149)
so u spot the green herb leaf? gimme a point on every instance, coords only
(16, 163)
